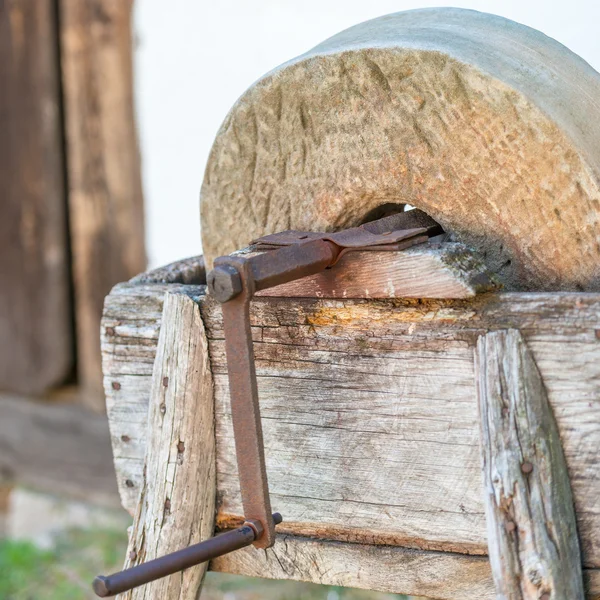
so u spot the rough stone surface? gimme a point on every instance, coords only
(487, 125)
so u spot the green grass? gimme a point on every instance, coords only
(66, 572)
(63, 573)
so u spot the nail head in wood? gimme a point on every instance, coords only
(526, 467)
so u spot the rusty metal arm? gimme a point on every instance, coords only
(233, 282)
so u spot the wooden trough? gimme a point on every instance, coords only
(425, 432)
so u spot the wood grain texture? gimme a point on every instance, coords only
(531, 527)
(105, 193)
(57, 448)
(35, 334)
(176, 507)
(370, 438)
(129, 333)
(440, 575)
(424, 271)
(490, 127)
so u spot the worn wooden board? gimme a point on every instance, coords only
(426, 270)
(442, 575)
(532, 532)
(176, 507)
(369, 408)
(489, 126)
(35, 327)
(105, 193)
(129, 331)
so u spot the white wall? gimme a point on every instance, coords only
(196, 57)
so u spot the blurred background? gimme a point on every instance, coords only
(108, 109)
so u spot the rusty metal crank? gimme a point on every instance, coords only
(177, 561)
(233, 282)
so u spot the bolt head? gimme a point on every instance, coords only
(224, 283)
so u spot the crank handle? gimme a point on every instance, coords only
(178, 561)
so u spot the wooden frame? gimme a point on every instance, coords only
(371, 426)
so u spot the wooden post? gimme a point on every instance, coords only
(177, 502)
(532, 533)
(35, 324)
(105, 192)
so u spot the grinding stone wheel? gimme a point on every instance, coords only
(489, 126)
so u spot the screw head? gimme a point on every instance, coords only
(224, 283)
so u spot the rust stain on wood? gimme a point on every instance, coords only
(324, 531)
(357, 315)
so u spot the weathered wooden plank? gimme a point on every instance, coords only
(129, 334)
(105, 193)
(58, 448)
(369, 408)
(442, 575)
(176, 507)
(35, 335)
(532, 534)
(430, 270)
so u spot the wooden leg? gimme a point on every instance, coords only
(177, 501)
(532, 534)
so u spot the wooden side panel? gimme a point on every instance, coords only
(440, 575)
(105, 194)
(371, 437)
(130, 330)
(35, 323)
